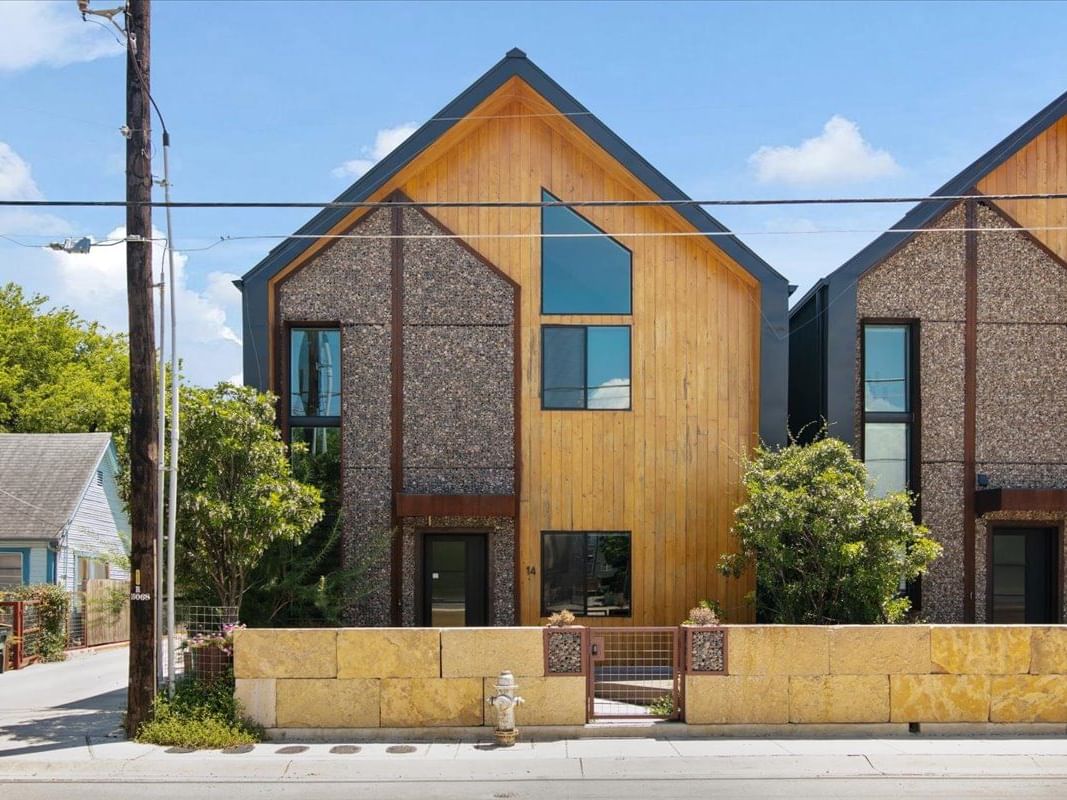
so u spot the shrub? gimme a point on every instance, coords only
(561, 619)
(825, 551)
(53, 609)
(706, 612)
(662, 706)
(201, 714)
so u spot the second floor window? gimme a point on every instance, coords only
(582, 270)
(889, 394)
(315, 372)
(585, 366)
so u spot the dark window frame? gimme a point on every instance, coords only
(913, 417)
(585, 366)
(287, 420)
(541, 274)
(585, 549)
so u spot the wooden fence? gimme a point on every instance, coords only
(100, 614)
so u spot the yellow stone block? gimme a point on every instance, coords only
(879, 649)
(839, 698)
(328, 703)
(285, 653)
(389, 653)
(486, 652)
(1048, 654)
(980, 649)
(1029, 698)
(257, 699)
(729, 699)
(939, 698)
(778, 650)
(546, 701)
(430, 702)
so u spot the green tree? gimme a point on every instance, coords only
(825, 550)
(236, 491)
(59, 373)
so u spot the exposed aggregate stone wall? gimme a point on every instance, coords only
(1021, 372)
(458, 398)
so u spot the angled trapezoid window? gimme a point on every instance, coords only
(583, 271)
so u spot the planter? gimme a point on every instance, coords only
(705, 649)
(566, 650)
(207, 664)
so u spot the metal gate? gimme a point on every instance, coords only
(635, 673)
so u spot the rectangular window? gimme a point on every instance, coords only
(583, 271)
(889, 395)
(585, 366)
(315, 372)
(10, 570)
(586, 573)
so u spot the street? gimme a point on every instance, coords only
(58, 727)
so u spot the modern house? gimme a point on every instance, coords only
(940, 352)
(536, 407)
(61, 518)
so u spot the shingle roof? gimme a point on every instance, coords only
(42, 479)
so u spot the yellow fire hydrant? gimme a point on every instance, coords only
(504, 701)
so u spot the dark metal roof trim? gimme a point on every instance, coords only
(964, 183)
(515, 63)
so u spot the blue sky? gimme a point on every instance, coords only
(272, 100)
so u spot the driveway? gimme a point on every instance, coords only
(47, 707)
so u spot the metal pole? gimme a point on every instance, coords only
(172, 508)
(161, 445)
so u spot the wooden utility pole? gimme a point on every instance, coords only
(144, 453)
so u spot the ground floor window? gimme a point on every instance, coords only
(587, 573)
(10, 570)
(91, 569)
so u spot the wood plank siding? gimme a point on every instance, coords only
(1039, 167)
(668, 470)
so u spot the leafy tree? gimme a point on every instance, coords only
(236, 491)
(825, 551)
(59, 373)
(301, 583)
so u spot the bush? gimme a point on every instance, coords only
(201, 715)
(53, 609)
(825, 551)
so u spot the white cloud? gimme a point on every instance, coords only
(385, 142)
(98, 279)
(839, 154)
(17, 183)
(613, 393)
(35, 33)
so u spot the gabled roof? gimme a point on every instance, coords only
(514, 64)
(42, 479)
(964, 183)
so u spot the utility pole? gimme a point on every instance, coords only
(144, 453)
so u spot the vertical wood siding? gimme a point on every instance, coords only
(1040, 167)
(669, 470)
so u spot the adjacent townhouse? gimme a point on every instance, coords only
(61, 517)
(940, 352)
(530, 408)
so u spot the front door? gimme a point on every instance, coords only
(454, 580)
(1024, 570)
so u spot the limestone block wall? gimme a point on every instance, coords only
(885, 674)
(396, 677)
(775, 674)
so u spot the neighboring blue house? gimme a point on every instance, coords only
(61, 518)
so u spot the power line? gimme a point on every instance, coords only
(803, 201)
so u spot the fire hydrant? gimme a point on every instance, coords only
(504, 701)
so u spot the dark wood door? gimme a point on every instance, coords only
(455, 587)
(1024, 570)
